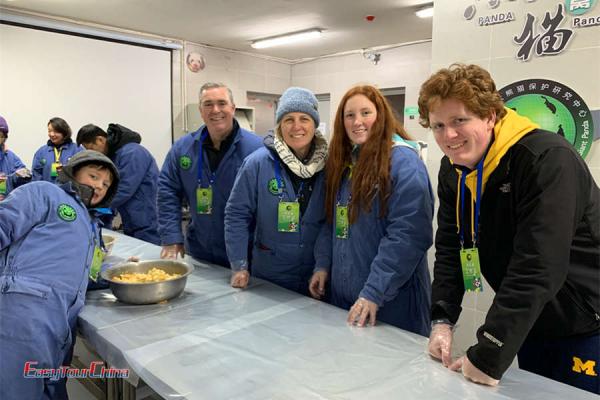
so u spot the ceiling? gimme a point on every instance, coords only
(233, 24)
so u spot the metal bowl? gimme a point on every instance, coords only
(150, 292)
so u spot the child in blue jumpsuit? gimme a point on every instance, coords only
(12, 170)
(43, 283)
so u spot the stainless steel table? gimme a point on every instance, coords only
(216, 342)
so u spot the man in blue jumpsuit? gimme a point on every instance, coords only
(43, 283)
(201, 168)
(136, 198)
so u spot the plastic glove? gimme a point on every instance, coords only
(239, 279)
(440, 343)
(317, 282)
(172, 251)
(472, 373)
(361, 311)
(23, 173)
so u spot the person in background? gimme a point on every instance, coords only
(49, 159)
(136, 199)
(533, 232)
(379, 207)
(43, 282)
(201, 168)
(12, 170)
(279, 191)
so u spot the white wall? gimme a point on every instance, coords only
(405, 67)
(45, 74)
(241, 72)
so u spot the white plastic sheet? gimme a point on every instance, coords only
(216, 342)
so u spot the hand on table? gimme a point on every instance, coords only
(363, 312)
(171, 251)
(239, 279)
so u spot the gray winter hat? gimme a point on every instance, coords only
(81, 159)
(297, 99)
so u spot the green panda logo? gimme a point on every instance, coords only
(185, 162)
(43, 161)
(272, 186)
(66, 213)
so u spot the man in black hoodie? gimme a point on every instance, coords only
(136, 197)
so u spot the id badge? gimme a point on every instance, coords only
(288, 216)
(54, 169)
(2, 185)
(341, 222)
(469, 261)
(96, 263)
(204, 198)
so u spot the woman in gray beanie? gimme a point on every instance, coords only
(49, 245)
(278, 197)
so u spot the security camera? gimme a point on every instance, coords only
(373, 57)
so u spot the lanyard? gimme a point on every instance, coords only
(57, 154)
(280, 183)
(475, 219)
(212, 175)
(339, 195)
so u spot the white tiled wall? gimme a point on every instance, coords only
(241, 72)
(404, 67)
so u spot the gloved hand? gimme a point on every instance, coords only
(440, 343)
(23, 173)
(361, 311)
(316, 286)
(239, 279)
(472, 373)
(171, 251)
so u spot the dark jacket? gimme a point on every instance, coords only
(539, 246)
(136, 197)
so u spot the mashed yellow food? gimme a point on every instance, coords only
(154, 275)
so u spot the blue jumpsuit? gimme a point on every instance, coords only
(178, 180)
(136, 196)
(284, 258)
(45, 156)
(9, 163)
(42, 283)
(385, 259)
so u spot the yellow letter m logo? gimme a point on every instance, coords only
(587, 367)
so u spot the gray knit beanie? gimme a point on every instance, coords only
(297, 99)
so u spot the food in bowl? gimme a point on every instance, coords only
(154, 275)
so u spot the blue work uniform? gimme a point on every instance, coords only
(179, 180)
(46, 155)
(284, 258)
(9, 163)
(384, 259)
(136, 196)
(42, 284)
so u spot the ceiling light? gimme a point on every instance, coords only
(426, 12)
(287, 38)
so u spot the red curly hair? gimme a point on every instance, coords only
(371, 173)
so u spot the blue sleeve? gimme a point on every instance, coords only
(240, 212)
(324, 248)
(132, 163)
(37, 169)
(15, 164)
(409, 232)
(21, 210)
(170, 193)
